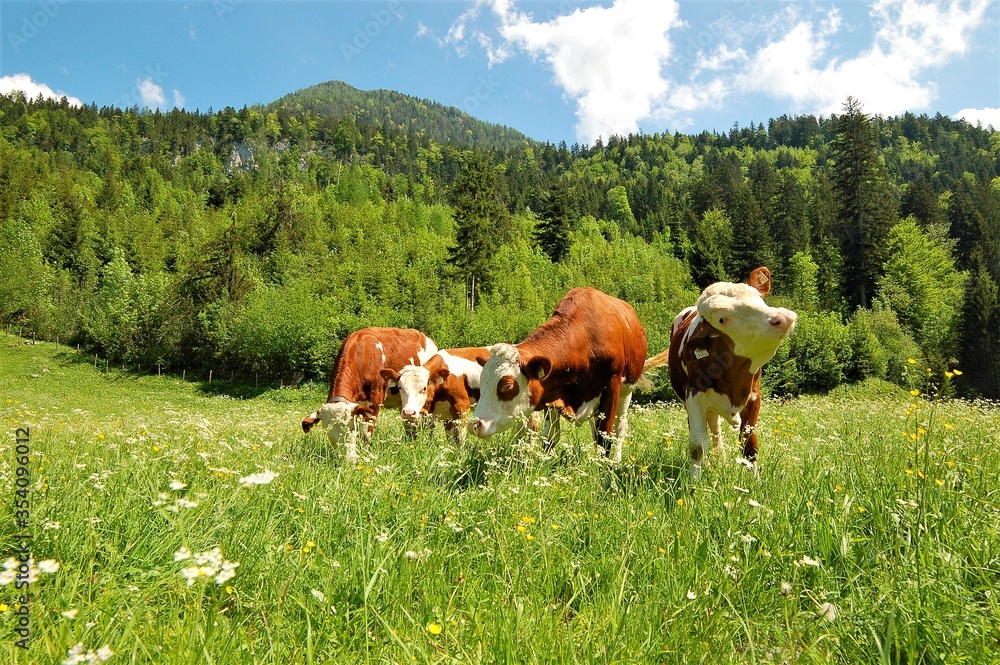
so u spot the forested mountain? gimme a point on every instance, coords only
(396, 112)
(254, 240)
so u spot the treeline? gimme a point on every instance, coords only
(255, 240)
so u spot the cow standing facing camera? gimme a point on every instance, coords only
(357, 390)
(717, 349)
(583, 362)
(443, 388)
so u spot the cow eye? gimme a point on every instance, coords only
(507, 388)
(394, 390)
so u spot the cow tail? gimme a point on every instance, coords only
(659, 360)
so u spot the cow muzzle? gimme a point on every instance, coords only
(783, 321)
(484, 429)
(410, 415)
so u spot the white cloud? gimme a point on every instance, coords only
(609, 60)
(986, 116)
(32, 89)
(889, 77)
(151, 93)
(722, 57)
(619, 64)
(178, 99)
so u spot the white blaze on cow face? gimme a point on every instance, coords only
(504, 398)
(412, 385)
(739, 311)
(463, 367)
(425, 353)
(342, 426)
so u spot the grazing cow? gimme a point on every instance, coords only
(445, 387)
(357, 390)
(584, 362)
(717, 349)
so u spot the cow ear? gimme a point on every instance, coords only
(483, 358)
(760, 279)
(390, 375)
(537, 368)
(439, 376)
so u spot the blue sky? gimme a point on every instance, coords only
(557, 70)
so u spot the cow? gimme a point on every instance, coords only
(357, 390)
(583, 362)
(443, 388)
(716, 352)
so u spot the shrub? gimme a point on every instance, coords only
(283, 330)
(815, 358)
(896, 344)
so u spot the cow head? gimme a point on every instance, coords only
(411, 381)
(509, 389)
(340, 419)
(739, 311)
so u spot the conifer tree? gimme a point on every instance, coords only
(481, 220)
(867, 210)
(556, 220)
(980, 343)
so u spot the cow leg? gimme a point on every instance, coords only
(609, 409)
(455, 431)
(551, 428)
(748, 425)
(715, 426)
(351, 445)
(699, 435)
(621, 421)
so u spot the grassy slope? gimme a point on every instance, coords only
(519, 556)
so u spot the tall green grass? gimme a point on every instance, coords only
(870, 534)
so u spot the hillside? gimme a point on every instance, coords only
(399, 112)
(132, 233)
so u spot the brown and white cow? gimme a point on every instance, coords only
(584, 361)
(717, 349)
(357, 390)
(444, 388)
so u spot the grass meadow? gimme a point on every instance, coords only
(871, 533)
